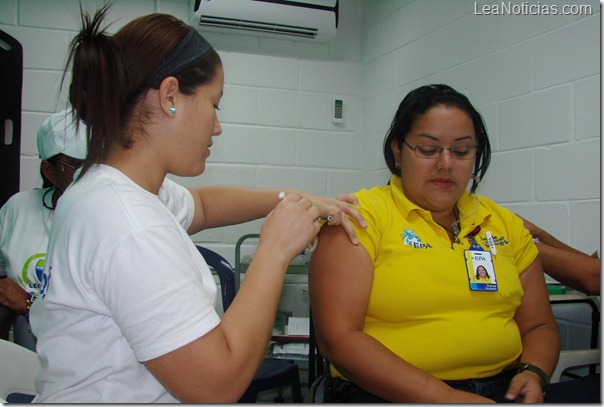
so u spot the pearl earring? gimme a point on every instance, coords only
(173, 110)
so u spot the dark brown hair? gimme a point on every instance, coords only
(418, 102)
(112, 74)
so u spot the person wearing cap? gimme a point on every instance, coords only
(26, 218)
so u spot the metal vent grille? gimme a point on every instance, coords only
(257, 26)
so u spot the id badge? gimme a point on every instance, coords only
(481, 271)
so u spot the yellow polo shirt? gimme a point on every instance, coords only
(421, 306)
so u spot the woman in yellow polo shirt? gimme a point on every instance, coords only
(400, 315)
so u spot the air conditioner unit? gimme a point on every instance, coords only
(299, 20)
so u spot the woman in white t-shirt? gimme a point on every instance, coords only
(25, 221)
(127, 312)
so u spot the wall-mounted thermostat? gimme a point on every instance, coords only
(338, 111)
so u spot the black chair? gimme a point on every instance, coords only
(273, 373)
(7, 317)
(225, 275)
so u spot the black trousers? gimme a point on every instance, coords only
(583, 390)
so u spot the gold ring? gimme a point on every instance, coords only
(321, 221)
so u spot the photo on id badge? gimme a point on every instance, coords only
(481, 271)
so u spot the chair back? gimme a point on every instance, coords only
(575, 358)
(19, 368)
(225, 272)
(273, 373)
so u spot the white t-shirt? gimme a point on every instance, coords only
(125, 285)
(24, 231)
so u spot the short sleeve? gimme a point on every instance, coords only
(525, 250)
(372, 211)
(179, 201)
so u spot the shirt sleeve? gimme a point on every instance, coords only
(524, 248)
(527, 252)
(372, 209)
(179, 201)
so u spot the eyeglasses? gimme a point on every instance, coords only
(74, 166)
(431, 151)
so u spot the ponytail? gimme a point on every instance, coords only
(112, 74)
(97, 86)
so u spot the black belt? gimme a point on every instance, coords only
(340, 390)
(502, 375)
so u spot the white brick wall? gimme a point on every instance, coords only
(275, 112)
(536, 79)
